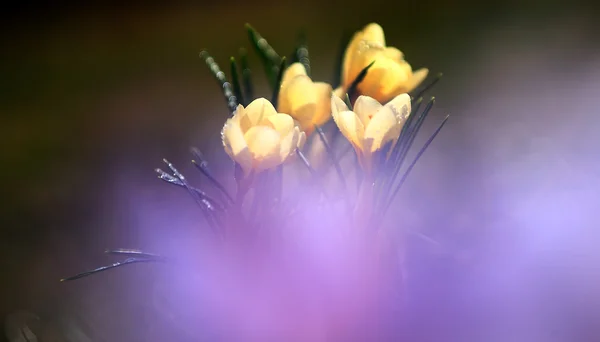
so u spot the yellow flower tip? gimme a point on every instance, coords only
(257, 137)
(304, 100)
(371, 125)
(390, 76)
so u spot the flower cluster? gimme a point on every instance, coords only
(375, 108)
(261, 137)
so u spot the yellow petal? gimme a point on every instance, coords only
(301, 140)
(373, 33)
(235, 144)
(300, 99)
(289, 143)
(323, 103)
(417, 78)
(365, 107)
(296, 69)
(337, 105)
(364, 55)
(351, 128)
(282, 123)
(386, 124)
(393, 54)
(256, 111)
(349, 59)
(264, 145)
(384, 80)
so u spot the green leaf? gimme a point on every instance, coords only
(235, 80)
(414, 162)
(219, 75)
(301, 53)
(428, 87)
(246, 77)
(359, 78)
(270, 59)
(277, 86)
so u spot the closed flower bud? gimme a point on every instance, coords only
(389, 76)
(306, 101)
(259, 138)
(370, 126)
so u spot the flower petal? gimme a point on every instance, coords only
(349, 59)
(289, 143)
(256, 111)
(387, 122)
(235, 144)
(384, 80)
(296, 69)
(401, 106)
(393, 54)
(264, 145)
(301, 140)
(417, 78)
(351, 128)
(282, 123)
(373, 33)
(322, 95)
(300, 99)
(365, 107)
(337, 105)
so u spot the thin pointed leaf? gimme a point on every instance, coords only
(208, 202)
(414, 162)
(429, 86)
(134, 252)
(205, 205)
(359, 78)
(301, 54)
(219, 75)
(348, 102)
(201, 164)
(246, 77)
(331, 154)
(270, 59)
(410, 136)
(125, 262)
(312, 171)
(405, 134)
(277, 86)
(405, 141)
(235, 80)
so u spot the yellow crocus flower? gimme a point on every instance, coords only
(306, 101)
(370, 126)
(389, 76)
(259, 138)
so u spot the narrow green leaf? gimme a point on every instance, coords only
(414, 162)
(219, 75)
(235, 80)
(246, 77)
(270, 59)
(359, 78)
(429, 86)
(277, 85)
(301, 53)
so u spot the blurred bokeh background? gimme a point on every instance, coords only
(92, 97)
